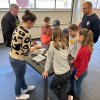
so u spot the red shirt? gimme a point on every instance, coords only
(46, 32)
(82, 60)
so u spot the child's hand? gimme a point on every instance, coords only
(45, 74)
(71, 62)
(76, 78)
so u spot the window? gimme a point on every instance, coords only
(38, 4)
(63, 4)
(45, 4)
(98, 4)
(23, 3)
(95, 3)
(4, 4)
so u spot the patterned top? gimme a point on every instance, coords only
(21, 41)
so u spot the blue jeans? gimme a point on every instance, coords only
(76, 84)
(19, 67)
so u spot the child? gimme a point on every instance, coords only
(56, 24)
(66, 36)
(20, 49)
(81, 61)
(65, 33)
(73, 44)
(46, 32)
(58, 54)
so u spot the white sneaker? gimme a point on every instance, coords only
(30, 88)
(23, 97)
(70, 97)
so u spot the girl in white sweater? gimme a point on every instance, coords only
(58, 54)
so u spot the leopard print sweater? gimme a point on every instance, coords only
(21, 41)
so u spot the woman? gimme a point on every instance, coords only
(20, 49)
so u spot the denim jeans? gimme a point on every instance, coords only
(76, 84)
(19, 67)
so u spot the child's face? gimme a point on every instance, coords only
(80, 38)
(72, 33)
(47, 23)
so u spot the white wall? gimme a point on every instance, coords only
(63, 16)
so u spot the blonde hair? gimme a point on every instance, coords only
(57, 36)
(88, 38)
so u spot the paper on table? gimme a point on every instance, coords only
(38, 58)
(38, 43)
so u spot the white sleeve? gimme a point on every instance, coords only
(49, 57)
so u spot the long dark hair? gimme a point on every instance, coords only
(88, 38)
(57, 37)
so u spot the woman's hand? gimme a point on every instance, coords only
(32, 49)
(76, 78)
(37, 46)
(45, 74)
(33, 43)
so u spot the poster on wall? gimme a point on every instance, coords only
(22, 3)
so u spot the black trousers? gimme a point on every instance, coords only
(7, 40)
(59, 84)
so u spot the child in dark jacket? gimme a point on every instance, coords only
(46, 32)
(81, 62)
(65, 34)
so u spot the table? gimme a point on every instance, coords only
(39, 67)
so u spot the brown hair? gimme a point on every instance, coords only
(46, 19)
(28, 16)
(57, 36)
(73, 27)
(88, 38)
(88, 3)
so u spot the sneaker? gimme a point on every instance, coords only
(30, 88)
(70, 97)
(23, 97)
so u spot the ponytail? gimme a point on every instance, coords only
(88, 38)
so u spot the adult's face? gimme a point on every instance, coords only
(29, 24)
(14, 11)
(86, 9)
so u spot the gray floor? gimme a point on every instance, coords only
(90, 87)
